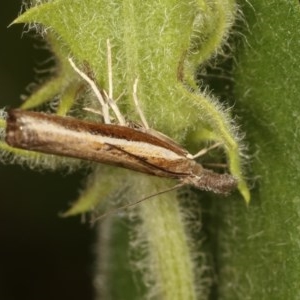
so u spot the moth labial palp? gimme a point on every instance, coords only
(139, 149)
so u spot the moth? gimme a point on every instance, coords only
(112, 144)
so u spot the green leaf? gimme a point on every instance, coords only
(62, 83)
(101, 184)
(259, 247)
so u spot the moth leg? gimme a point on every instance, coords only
(137, 105)
(204, 151)
(213, 165)
(98, 112)
(104, 105)
(109, 97)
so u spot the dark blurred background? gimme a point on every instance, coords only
(42, 256)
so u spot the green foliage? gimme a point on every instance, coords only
(161, 43)
(259, 248)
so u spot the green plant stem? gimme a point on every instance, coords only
(259, 247)
(170, 257)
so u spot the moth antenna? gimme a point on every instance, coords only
(115, 210)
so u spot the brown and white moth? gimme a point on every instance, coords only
(112, 144)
